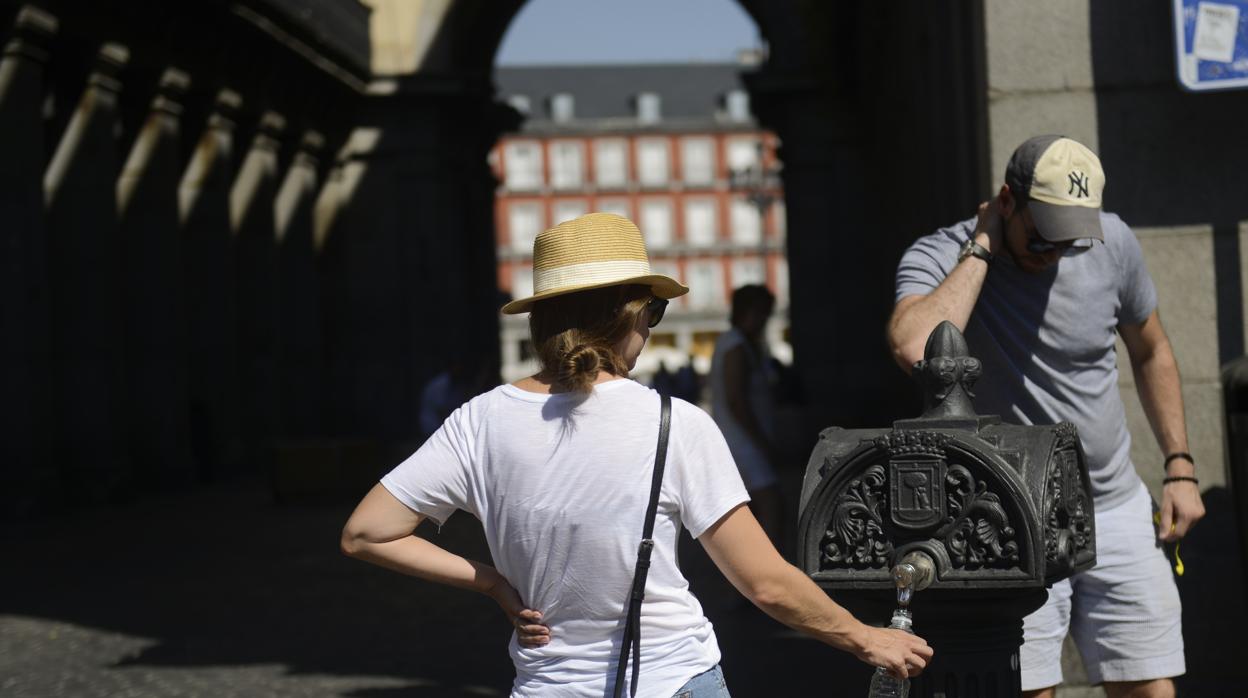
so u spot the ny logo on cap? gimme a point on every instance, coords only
(1078, 184)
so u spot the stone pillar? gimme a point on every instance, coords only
(251, 218)
(840, 270)
(155, 339)
(300, 362)
(27, 471)
(208, 288)
(410, 258)
(83, 264)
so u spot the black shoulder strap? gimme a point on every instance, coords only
(632, 626)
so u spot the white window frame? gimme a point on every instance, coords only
(567, 209)
(704, 293)
(620, 207)
(654, 162)
(747, 227)
(695, 234)
(519, 175)
(567, 164)
(698, 174)
(521, 281)
(611, 178)
(520, 240)
(742, 153)
(748, 270)
(655, 216)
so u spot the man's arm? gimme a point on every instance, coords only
(915, 317)
(1161, 395)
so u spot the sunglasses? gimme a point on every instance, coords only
(1038, 245)
(654, 310)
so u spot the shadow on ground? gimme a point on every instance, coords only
(221, 592)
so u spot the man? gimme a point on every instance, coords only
(1039, 282)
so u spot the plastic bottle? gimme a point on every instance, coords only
(883, 683)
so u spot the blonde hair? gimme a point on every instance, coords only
(575, 335)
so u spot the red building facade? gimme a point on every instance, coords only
(658, 145)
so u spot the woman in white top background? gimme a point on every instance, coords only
(741, 382)
(557, 468)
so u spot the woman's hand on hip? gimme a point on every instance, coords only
(530, 632)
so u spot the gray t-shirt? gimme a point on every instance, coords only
(1047, 340)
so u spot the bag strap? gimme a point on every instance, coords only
(632, 626)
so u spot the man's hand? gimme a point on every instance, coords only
(989, 228)
(1181, 506)
(528, 622)
(898, 651)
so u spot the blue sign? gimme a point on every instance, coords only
(1211, 43)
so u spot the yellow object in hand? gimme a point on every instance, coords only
(1178, 561)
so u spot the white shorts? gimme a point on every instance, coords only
(1124, 614)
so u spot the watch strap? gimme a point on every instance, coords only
(970, 248)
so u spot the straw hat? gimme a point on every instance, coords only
(593, 251)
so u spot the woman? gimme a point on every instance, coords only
(742, 404)
(556, 466)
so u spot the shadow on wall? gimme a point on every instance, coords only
(1172, 157)
(1176, 158)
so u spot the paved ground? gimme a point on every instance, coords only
(219, 592)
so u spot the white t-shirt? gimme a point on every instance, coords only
(561, 486)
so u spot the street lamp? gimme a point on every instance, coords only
(758, 185)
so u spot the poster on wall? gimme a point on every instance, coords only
(1211, 44)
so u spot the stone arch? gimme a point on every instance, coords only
(865, 100)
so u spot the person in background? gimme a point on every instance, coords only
(742, 403)
(557, 467)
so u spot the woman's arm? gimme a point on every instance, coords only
(380, 532)
(738, 546)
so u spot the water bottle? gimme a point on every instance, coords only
(883, 683)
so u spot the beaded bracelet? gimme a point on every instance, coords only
(1176, 455)
(1179, 478)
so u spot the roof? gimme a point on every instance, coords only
(603, 95)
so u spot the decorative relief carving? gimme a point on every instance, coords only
(1067, 435)
(855, 535)
(980, 534)
(904, 443)
(1068, 523)
(915, 494)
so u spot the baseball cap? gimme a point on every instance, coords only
(1061, 180)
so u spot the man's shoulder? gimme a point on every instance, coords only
(1114, 228)
(946, 240)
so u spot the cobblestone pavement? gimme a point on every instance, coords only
(219, 592)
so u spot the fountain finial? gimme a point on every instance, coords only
(947, 373)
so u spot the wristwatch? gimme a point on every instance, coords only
(970, 248)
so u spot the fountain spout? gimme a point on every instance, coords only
(914, 573)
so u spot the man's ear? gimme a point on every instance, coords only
(1005, 201)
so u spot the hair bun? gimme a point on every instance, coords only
(579, 367)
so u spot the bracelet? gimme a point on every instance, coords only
(1176, 455)
(1179, 478)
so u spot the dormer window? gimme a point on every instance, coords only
(561, 108)
(520, 103)
(648, 108)
(737, 104)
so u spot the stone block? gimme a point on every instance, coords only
(1015, 117)
(1038, 46)
(1202, 403)
(1180, 260)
